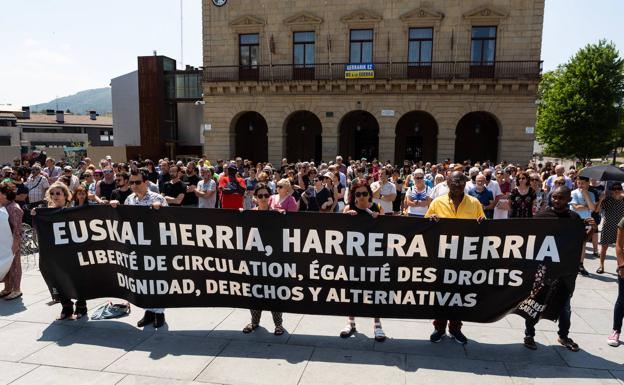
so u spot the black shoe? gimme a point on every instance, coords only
(459, 337)
(147, 319)
(159, 320)
(436, 336)
(529, 343)
(582, 271)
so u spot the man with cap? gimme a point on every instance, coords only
(232, 188)
(74, 182)
(459, 205)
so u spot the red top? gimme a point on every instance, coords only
(231, 201)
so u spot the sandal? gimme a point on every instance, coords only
(250, 328)
(600, 270)
(13, 295)
(279, 330)
(569, 344)
(348, 331)
(4, 293)
(380, 336)
(66, 313)
(80, 312)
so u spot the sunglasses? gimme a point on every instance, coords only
(361, 194)
(135, 182)
(56, 193)
(418, 177)
(535, 180)
(263, 196)
(280, 186)
(315, 180)
(522, 178)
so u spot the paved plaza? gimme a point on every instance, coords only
(207, 346)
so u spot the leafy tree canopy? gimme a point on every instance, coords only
(577, 115)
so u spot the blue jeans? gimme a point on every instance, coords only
(618, 310)
(564, 322)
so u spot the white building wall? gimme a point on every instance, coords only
(125, 95)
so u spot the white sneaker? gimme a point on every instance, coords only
(614, 339)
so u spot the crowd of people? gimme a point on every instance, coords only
(479, 191)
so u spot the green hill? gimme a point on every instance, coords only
(98, 99)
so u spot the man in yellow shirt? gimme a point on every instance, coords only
(455, 205)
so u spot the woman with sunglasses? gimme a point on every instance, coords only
(261, 196)
(283, 201)
(522, 197)
(418, 197)
(58, 196)
(13, 277)
(361, 204)
(612, 210)
(540, 194)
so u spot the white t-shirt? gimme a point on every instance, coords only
(494, 188)
(416, 195)
(207, 203)
(387, 189)
(439, 190)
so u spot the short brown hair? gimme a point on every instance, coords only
(9, 190)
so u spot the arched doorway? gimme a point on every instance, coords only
(251, 139)
(359, 135)
(476, 137)
(304, 139)
(416, 138)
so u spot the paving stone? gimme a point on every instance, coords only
(141, 380)
(13, 309)
(199, 321)
(548, 375)
(423, 370)
(20, 339)
(251, 363)
(48, 375)
(337, 366)
(11, 371)
(594, 353)
(324, 331)
(584, 298)
(169, 356)
(600, 321)
(88, 348)
(232, 326)
(496, 345)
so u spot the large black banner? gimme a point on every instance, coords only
(311, 263)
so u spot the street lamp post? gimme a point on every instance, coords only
(617, 134)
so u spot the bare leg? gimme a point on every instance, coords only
(603, 254)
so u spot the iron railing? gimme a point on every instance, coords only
(529, 70)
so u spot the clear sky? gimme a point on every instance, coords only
(55, 48)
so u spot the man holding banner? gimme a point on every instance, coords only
(455, 204)
(141, 196)
(559, 208)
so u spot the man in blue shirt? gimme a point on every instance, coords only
(484, 195)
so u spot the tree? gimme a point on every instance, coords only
(577, 116)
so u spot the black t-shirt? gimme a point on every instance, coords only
(548, 212)
(162, 179)
(153, 176)
(119, 195)
(173, 190)
(106, 189)
(316, 200)
(190, 199)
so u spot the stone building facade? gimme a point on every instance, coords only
(434, 80)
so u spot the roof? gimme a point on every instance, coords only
(82, 120)
(7, 116)
(10, 108)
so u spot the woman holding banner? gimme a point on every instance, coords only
(58, 196)
(261, 195)
(361, 203)
(14, 276)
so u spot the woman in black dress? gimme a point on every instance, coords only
(522, 197)
(612, 210)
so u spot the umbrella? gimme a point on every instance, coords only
(608, 172)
